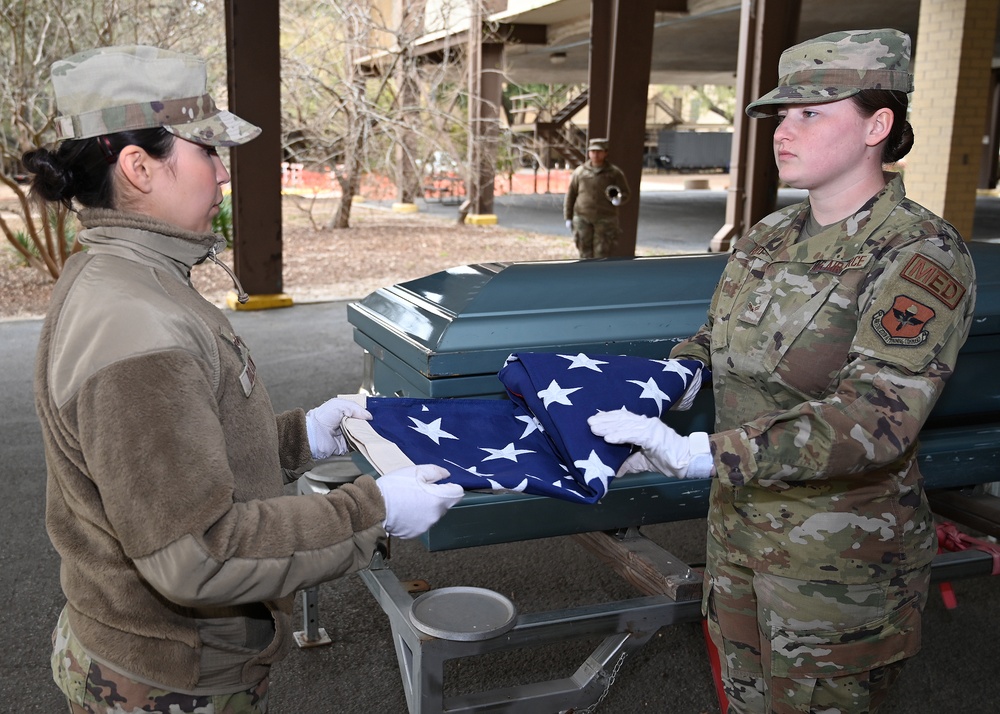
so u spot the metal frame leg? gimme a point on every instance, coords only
(311, 635)
(628, 625)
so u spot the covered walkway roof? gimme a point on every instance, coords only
(617, 47)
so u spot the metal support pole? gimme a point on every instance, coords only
(311, 635)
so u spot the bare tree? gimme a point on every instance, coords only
(359, 96)
(717, 99)
(328, 112)
(34, 34)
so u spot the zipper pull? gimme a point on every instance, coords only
(241, 295)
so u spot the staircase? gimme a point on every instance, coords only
(569, 111)
(567, 140)
(547, 136)
(561, 136)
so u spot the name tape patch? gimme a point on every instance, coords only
(248, 375)
(839, 266)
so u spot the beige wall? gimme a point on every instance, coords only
(954, 49)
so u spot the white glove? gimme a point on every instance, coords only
(569, 224)
(663, 448)
(687, 399)
(323, 426)
(414, 500)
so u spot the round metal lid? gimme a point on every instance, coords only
(463, 613)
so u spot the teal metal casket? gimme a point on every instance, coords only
(448, 334)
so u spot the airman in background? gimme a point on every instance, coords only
(596, 189)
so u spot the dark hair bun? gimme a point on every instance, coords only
(52, 179)
(903, 146)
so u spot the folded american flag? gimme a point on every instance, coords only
(538, 440)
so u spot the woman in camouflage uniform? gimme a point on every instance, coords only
(830, 336)
(165, 458)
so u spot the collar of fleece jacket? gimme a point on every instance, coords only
(115, 231)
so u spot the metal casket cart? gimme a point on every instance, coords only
(448, 334)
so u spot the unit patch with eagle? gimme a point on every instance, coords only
(904, 323)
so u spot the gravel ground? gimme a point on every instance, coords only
(381, 248)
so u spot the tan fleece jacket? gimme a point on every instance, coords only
(179, 552)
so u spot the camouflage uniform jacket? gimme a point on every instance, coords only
(585, 195)
(165, 471)
(827, 356)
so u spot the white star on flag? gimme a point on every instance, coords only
(592, 467)
(531, 424)
(651, 390)
(519, 488)
(555, 393)
(431, 430)
(508, 452)
(471, 470)
(675, 366)
(582, 360)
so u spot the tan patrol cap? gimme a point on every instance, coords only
(836, 66)
(111, 89)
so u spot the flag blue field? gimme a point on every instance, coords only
(537, 441)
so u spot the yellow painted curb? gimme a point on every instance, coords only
(405, 208)
(258, 302)
(481, 219)
(358, 199)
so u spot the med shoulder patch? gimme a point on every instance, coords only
(912, 315)
(934, 278)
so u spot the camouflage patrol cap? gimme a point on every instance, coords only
(837, 66)
(597, 145)
(112, 89)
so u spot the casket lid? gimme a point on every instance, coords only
(466, 320)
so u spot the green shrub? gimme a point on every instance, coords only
(223, 222)
(26, 242)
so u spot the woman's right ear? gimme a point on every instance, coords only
(136, 167)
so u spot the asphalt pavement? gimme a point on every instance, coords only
(671, 220)
(305, 354)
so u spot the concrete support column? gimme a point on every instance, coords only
(989, 172)
(631, 58)
(767, 28)
(485, 97)
(954, 49)
(599, 70)
(254, 65)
